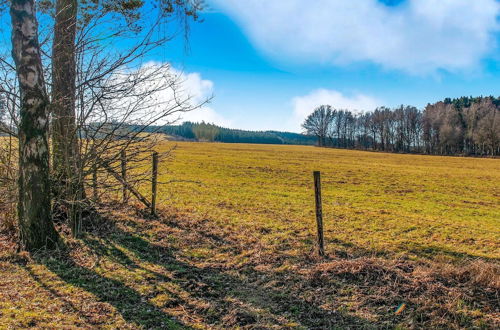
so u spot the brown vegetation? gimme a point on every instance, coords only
(181, 271)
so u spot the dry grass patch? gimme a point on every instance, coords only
(412, 242)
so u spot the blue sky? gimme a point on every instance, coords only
(271, 62)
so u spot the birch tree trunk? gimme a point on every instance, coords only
(68, 182)
(34, 207)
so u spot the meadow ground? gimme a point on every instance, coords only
(234, 246)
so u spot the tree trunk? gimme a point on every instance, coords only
(68, 181)
(34, 208)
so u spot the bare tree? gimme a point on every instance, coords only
(77, 40)
(64, 140)
(115, 97)
(318, 122)
(120, 113)
(488, 128)
(467, 125)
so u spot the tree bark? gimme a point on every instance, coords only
(68, 181)
(34, 207)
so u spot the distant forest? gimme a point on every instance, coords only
(213, 133)
(462, 126)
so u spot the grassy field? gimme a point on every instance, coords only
(233, 247)
(417, 205)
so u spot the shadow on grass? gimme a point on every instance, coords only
(213, 296)
(234, 300)
(424, 251)
(55, 294)
(129, 303)
(431, 252)
(220, 295)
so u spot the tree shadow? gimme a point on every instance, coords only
(432, 251)
(68, 305)
(217, 295)
(427, 252)
(130, 304)
(234, 300)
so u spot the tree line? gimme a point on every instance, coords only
(213, 133)
(462, 126)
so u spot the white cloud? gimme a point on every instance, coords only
(164, 90)
(200, 90)
(304, 105)
(417, 36)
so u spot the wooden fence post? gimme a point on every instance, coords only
(95, 194)
(154, 182)
(319, 213)
(123, 157)
(130, 188)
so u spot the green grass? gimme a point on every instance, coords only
(234, 247)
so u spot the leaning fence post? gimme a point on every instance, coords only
(123, 157)
(319, 213)
(154, 181)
